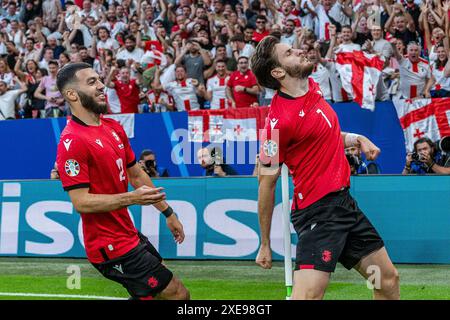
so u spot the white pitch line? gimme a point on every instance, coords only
(46, 295)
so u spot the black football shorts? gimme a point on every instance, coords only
(140, 271)
(332, 230)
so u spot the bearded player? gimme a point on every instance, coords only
(302, 131)
(97, 162)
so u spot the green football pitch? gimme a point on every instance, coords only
(37, 278)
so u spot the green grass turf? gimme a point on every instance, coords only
(212, 280)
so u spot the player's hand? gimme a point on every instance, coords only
(146, 195)
(369, 148)
(264, 257)
(176, 228)
(239, 88)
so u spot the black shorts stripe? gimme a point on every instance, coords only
(77, 186)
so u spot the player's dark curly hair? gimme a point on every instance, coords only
(264, 60)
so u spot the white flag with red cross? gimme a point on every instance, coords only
(360, 72)
(421, 118)
(241, 124)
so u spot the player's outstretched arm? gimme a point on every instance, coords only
(86, 202)
(139, 178)
(370, 150)
(266, 198)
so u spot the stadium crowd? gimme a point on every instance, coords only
(166, 55)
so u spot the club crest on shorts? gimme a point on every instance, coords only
(152, 282)
(326, 256)
(72, 168)
(270, 148)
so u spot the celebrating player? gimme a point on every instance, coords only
(330, 226)
(96, 162)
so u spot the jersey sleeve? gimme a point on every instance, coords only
(73, 163)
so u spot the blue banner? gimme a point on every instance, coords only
(220, 219)
(30, 144)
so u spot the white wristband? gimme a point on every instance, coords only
(351, 139)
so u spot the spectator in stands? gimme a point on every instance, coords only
(8, 98)
(158, 99)
(425, 159)
(261, 31)
(239, 48)
(242, 88)
(216, 87)
(147, 161)
(5, 74)
(212, 161)
(184, 90)
(438, 85)
(378, 44)
(401, 25)
(127, 88)
(320, 74)
(414, 71)
(130, 52)
(195, 59)
(55, 103)
(347, 44)
(288, 36)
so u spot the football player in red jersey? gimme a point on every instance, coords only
(302, 131)
(97, 162)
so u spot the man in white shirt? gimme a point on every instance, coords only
(239, 48)
(288, 35)
(347, 44)
(130, 53)
(8, 98)
(216, 87)
(320, 73)
(184, 90)
(414, 71)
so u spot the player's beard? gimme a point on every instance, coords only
(90, 104)
(300, 71)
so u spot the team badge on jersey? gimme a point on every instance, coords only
(72, 168)
(270, 148)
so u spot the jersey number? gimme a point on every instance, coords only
(324, 116)
(122, 171)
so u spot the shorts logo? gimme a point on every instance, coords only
(326, 256)
(72, 168)
(152, 282)
(270, 148)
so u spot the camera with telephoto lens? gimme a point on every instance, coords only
(415, 156)
(149, 164)
(353, 161)
(443, 145)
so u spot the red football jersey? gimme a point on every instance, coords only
(128, 94)
(97, 157)
(248, 80)
(304, 133)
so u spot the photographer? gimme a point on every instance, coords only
(358, 165)
(147, 161)
(213, 163)
(426, 158)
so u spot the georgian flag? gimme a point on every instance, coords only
(360, 73)
(195, 128)
(240, 124)
(421, 118)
